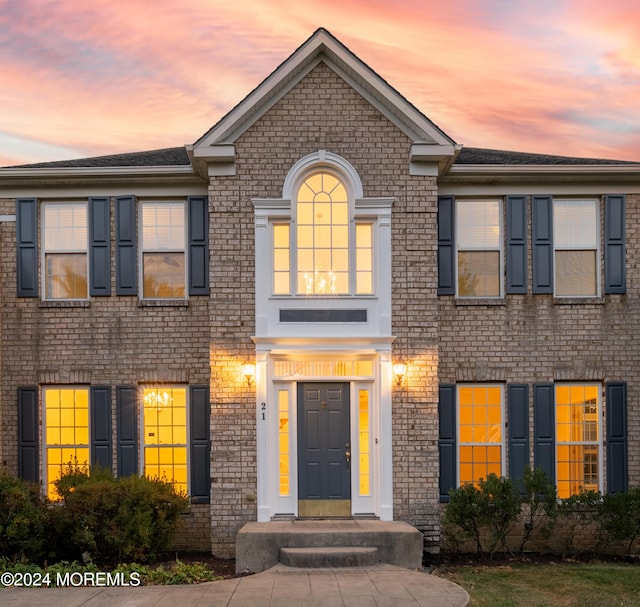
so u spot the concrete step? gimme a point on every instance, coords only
(335, 556)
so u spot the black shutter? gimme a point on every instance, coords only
(126, 250)
(28, 468)
(616, 437)
(127, 421)
(615, 271)
(99, 246)
(447, 440)
(516, 244)
(518, 426)
(27, 247)
(446, 246)
(101, 426)
(542, 227)
(198, 245)
(544, 429)
(200, 460)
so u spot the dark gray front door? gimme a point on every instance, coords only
(324, 449)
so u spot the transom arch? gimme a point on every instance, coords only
(317, 162)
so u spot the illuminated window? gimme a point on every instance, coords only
(480, 432)
(65, 243)
(163, 250)
(364, 441)
(330, 256)
(479, 244)
(577, 438)
(575, 237)
(283, 438)
(165, 435)
(66, 430)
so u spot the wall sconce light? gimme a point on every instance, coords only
(399, 371)
(249, 373)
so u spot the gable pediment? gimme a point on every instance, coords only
(214, 152)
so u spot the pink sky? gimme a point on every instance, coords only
(85, 78)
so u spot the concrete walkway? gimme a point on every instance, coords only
(280, 586)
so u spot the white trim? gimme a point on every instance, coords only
(270, 503)
(319, 160)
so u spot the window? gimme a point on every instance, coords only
(163, 250)
(480, 415)
(578, 440)
(575, 235)
(65, 244)
(66, 430)
(164, 423)
(331, 255)
(479, 249)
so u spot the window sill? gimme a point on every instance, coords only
(66, 303)
(163, 303)
(480, 301)
(579, 301)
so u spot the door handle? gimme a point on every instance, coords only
(347, 455)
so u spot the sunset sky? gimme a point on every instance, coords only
(85, 78)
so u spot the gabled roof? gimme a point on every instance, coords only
(430, 143)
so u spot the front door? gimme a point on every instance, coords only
(324, 450)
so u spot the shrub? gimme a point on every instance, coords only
(578, 512)
(619, 516)
(111, 520)
(488, 512)
(540, 495)
(23, 519)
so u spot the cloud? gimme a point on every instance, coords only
(102, 77)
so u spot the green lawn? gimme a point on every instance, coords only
(548, 585)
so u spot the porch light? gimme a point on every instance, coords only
(249, 373)
(399, 371)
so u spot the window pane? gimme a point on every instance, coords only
(478, 273)
(576, 273)
(65, 276)
(163, 226)
(65, 227)
(322, 236)
(479, 432)
(577, 438)
(66, 432)
(575, 224)
(478, 224)
(164, 275)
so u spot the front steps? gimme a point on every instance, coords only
(327, 543)
(318, 558)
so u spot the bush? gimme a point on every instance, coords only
(109, 520)
(619, 516)
(487, 512)
(23, 519)
(577, 513)
(540, 495)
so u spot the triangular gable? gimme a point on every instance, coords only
(430, 144)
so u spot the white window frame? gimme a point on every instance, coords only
(143, 250)
(143, 444)
(67, 251)
(503, 442)
(500, 248)
(599, 420)
(46, 446)
(577, 247)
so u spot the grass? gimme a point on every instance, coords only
(596, 584)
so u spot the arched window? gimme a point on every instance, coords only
(329, 252)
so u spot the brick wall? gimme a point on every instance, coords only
(110, 341)
(536, 338)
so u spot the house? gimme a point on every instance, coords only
(324, 307)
